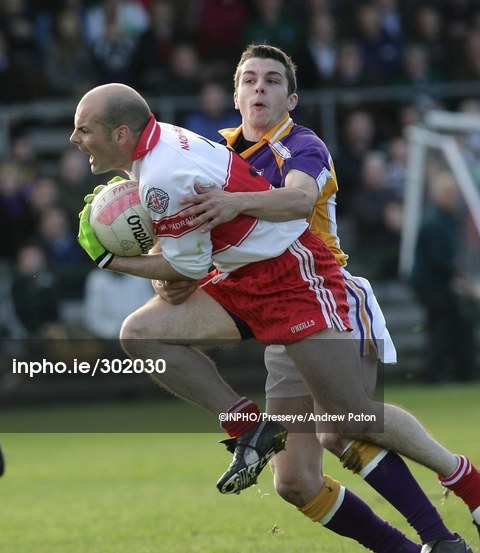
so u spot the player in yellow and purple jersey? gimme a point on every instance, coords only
(292, 158)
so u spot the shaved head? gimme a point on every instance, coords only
(109, 121)
(117, 104)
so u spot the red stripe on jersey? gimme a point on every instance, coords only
(148, 139)
(173, 226)
(229, 167)
(241, 177)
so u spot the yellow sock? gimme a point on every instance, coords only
(324, 505)
(360, 454)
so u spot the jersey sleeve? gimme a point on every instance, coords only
(192, 262)
(186, 248)
(310, 155)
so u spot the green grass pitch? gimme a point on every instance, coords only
(155, 492)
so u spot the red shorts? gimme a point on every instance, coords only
(285, 298)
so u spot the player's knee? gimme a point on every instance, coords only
(296, 487)
(335, 443)
(131, 333)
(146, 323)
(130, 328)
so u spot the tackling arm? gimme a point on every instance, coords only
(214, 207)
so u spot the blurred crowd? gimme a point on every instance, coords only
(53, 50)
(59, 49)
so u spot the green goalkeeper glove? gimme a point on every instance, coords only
(88, 240)
(86, 236)
(89, 197)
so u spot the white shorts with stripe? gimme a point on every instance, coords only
(368, 328)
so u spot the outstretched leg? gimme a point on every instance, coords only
(339, 389)
(299, 479)
(161, 330)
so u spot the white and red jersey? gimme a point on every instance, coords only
(168, 161)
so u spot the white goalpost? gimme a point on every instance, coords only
(444, 134)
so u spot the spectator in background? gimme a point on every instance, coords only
(184, 74)
(74, 181)
(420, 76)
(214, 114)
(131, 17)
(16, 222)
(449, 331)
(35, 293)
(391, 19)
(381, 51)
(397, 153)
(350, 71)
(17, 22)
(458, 15)
(103, 313)
(357, 139)
(416, 69)
(43, 194)
(155, 45)
(68, 64)
(12, 76)
(469, 69)
(428, 31)
(313, 7)
(218, 28)
(273, 23)
(112, 55)
(17, 25)
(376, 222)
(24, 155)
(65, 257)
(408, 115)
(317, 57)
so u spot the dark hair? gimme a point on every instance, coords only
(266, 51)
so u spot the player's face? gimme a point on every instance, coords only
(91, 137)
(262, 96)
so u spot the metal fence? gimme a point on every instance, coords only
(51, 121)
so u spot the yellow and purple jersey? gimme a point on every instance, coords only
(290, 146)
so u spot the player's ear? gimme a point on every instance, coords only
(235, 100)
(292, 101)
(121, 134)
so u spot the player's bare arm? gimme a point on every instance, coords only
(151, 266)
(172, 291)
(214, 207)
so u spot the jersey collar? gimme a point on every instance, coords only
(148, 139)
(281, 129)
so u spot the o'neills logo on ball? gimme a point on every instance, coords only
(144, 240)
